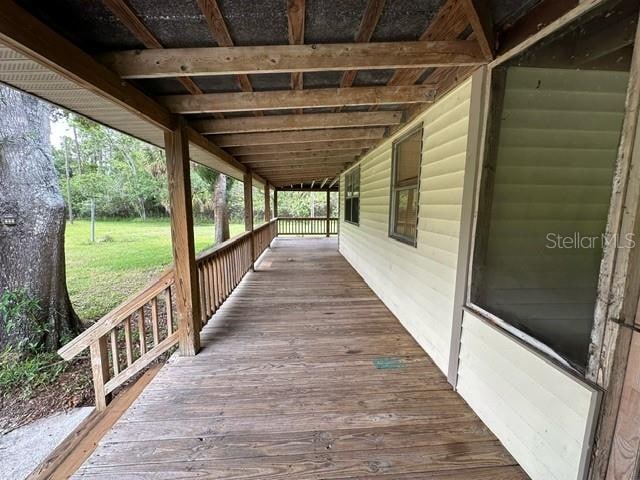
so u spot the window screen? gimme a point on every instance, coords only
(407, 155)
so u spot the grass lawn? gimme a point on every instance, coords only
(127, 254)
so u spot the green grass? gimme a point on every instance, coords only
(127, 254)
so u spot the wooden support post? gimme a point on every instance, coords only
(186, 274)
(248, 212)
(267, 203)
(100, 370)
(275, 209)
(328, 212)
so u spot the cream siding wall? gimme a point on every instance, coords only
(417, 284)
(542, 415)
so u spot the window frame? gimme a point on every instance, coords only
(393, 189)
(348, 187)
(484, 180)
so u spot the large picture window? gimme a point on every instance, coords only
(405, 186)
(555, 122)
(352, 196)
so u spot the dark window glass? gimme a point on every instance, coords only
(554, 128)
(352, 196)
(407, 156)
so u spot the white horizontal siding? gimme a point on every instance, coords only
(417, 284)
(541, 414)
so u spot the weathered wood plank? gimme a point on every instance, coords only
(310, 121)
(180, 62)
(286, 99)
(270, 138)
(303, 373)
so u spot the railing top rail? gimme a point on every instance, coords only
(105, 324)
(307, 218)
(115, 316)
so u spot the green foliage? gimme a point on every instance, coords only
(27, 366)
(306, 204)
(102, 275)
(20, 310)
(124, 176)
(26, 374)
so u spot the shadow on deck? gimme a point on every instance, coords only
(304, 373)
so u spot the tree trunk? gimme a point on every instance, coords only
(220, 212)
(32, 250)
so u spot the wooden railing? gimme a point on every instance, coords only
(307, 226)
(134, 334)
(221, 268)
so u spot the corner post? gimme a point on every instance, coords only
(186, 275)
(248, 212)
(267, 203)
(328, 212)
(100, 371)
(275, 208)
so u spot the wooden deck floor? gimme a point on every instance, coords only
(304, 373)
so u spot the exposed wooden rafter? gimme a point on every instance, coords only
(270, 138)
(218, 26)
(128, 17)
(295, 17)
(448, 24)
(370, 19)
(481, 22)
(309, 121)
(177, 62)
(287, 99)
(24, 33)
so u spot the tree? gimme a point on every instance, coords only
(219, 182)
(32, 249)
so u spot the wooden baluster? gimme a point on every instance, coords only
(212, 295)
(204, 293)
(115, 361)
(216, 279)
(141, 331)
(154, 321)
(127, 341)
(169, 310)
(100, 370)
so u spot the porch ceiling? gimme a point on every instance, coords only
(276, 102)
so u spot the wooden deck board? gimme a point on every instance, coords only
(303, 374)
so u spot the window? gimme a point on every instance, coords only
(405, 180)
(555, 121)
(352, 196)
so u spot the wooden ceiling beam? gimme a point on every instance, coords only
(301, 147)
(212, 14)
(288, 99)
(309, 121)
(129, 18)
(307, 162)
(271, 138)
(320, 154)
(177, 62)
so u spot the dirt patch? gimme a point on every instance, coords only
(73, 388)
